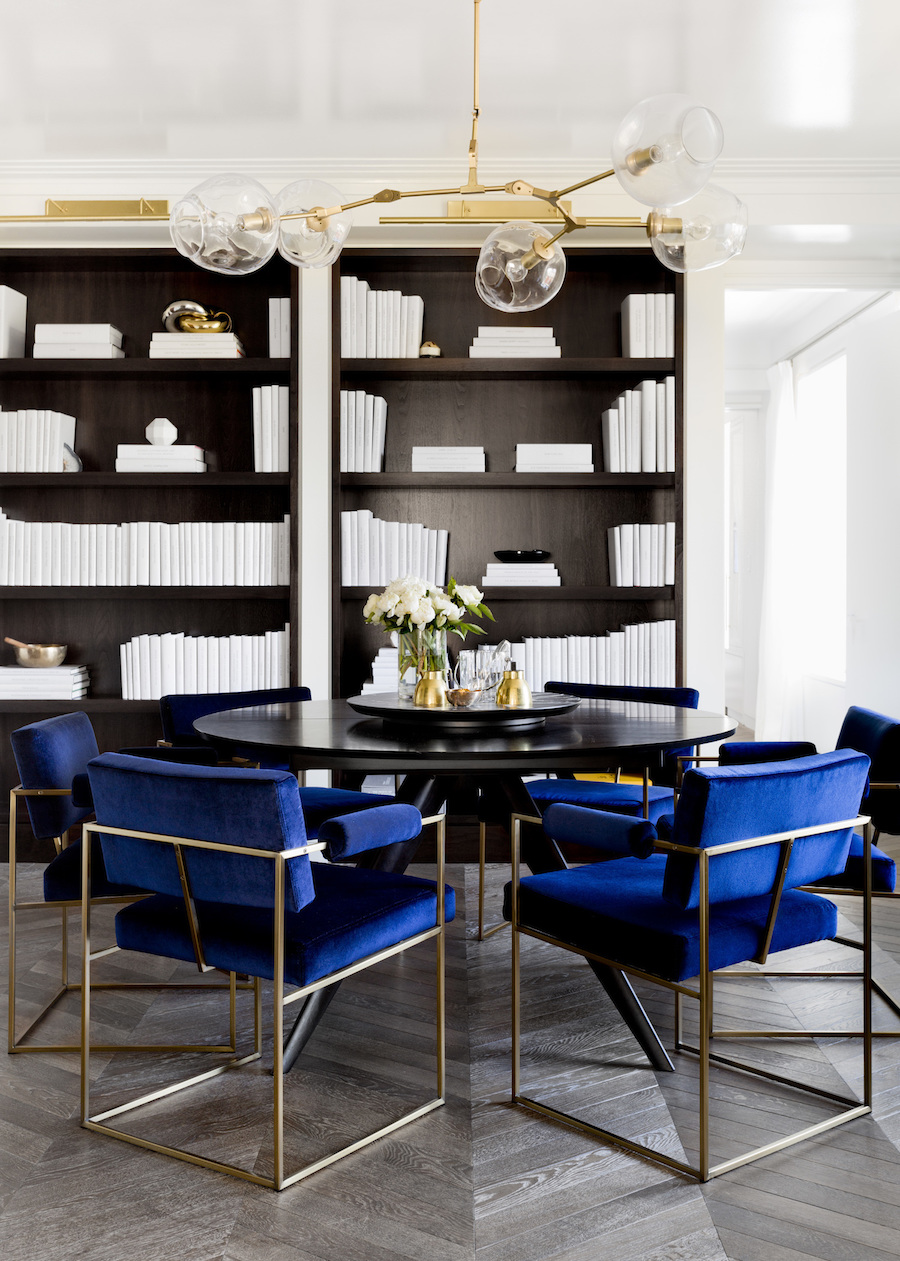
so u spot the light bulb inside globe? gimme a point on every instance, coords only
(664, 150)
(227, 224)
(704, 232)
(314, 239)
(518, 268)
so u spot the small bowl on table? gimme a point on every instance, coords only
(463, 697)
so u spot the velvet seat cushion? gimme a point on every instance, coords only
(617, 910)
(355, 912)
(601, 795)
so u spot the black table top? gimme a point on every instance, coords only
(330, 735)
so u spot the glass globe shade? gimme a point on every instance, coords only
(311, 242)
(226, 224)
(664, 150)
(703, 232)
(512, 273)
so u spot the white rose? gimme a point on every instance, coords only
(370, 606)
(454, 613)
(422, 614)
(470, 596)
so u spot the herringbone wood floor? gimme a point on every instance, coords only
(476, 1179)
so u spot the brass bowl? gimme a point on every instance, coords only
(462, 697)
(41, 655)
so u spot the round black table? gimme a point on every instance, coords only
(330, 735)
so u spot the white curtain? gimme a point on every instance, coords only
(779, 695)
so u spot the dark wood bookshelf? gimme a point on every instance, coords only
(505, 480)
(503, 366)
(145, 481)
(136, 368)
(494, 594)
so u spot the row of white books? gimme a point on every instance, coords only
(638, 655)
(195, 346)
(363, 421)
(279, 328)
(271, 429)
(77, 341)
(514, 342)
(149, 457)
(554, 457)
(638, 433)
(32, 440)
(642, 555)
(379, 323)
(540, 574)
(161, 665)
(144, 553)
(13, 309)
(53, 683)
(375, 552)
(648, 326)
(448, 460)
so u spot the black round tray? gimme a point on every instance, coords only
(483, 716)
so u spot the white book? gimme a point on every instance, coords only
(660, 426)
(274, 329)
(634, 425)
(267, 429)
(348, 317)
(609, 435)
(154, 454)
(160, 466)
(404, 325)
(13, 460)
(382, 329)
(525, 344)
(30, 464)
(229, 531)
(78, 333)
(614, 546)
(284, 429)
(363, 517)
(195, 339)
(380, 420)
(659, 315)
(369, 433)
(371, 326)
(670, 424)
(4, 443)
(634, 326)
(362, 312)
(499, 580)
(626, 555)
(512, 331)
(391, 556)
(441, 549)
(512, 352)
(540, 467)
(648, 426)
(644, 575)
(655, 552)
(13, 308)
(351, 432)
(193, 351)
(344, 459)
(256, 426)
(284, 308)
(670, 325)
(395, 350)
(376, 534)
(191, 683)
(359, 453)
(555, 452)
(77, 350)
(650, 326)
(669, 566)
(415, 326)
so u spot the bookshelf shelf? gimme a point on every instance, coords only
(505, 480)
(145, 481)
(484, 369)
(494, 595)
(115, 370)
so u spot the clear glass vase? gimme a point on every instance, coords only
(420, 650)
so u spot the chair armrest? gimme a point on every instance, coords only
(619, 834)
(747, 752)
(350, 834)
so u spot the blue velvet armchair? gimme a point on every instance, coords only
(724, 889)
(226, 856)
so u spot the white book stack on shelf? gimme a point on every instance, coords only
(541, 574)
(379, 323)
(363, 422)
(648, 326)
(637, 434)
(375, 552)
(271, 428)
(195, 346)
(279, 328)
(144, 457)
(385, 669)
(34, 440)
(53, 683)
(77, 341)
(642, 555)
(637, 655)
(448, 460)
(514, 342)
(157, 665)
(554, 457)
(13, 308)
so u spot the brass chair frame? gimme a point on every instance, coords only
(279, 1180)
(703, 992)
(16, 1044)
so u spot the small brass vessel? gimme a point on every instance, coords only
(431, 691)
(513, 692)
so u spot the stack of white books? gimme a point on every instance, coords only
(638, 432)
(32, 440)
(554, 457)
(146, 457)
(375, 552)
(541, 574)
(448, 460)
(648, 326)
(195, 346)
(53, 683)
(279, 328)
(159, 665)
(385, 671)
(363, 421)
(77, 341)
(379, 323)
(642, 555)
(271, 429)
(637, 655)
(514, 342)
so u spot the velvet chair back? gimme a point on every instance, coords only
(179, 712)
(49, 754)
(252, 809)
(879, 737)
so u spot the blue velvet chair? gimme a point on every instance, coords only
(724, 890)
(226, 855)
(51, 758)
(647, 800)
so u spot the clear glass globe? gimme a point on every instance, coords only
(703, 232)
(227, 224)
(311, 242)
(664, 149)
(512, 273)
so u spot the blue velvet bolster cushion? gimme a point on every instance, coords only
(599, 795)
(356, 912)
(370, 829)
(879, 737)
(617, 910)
(610, 833)
(178, 713)
(48, 755)
(254, 809)
(319, 804)
(736, 803)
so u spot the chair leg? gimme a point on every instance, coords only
(484, 933)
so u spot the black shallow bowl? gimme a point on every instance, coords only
(523, 558)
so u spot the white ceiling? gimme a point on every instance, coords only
(364, 80)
